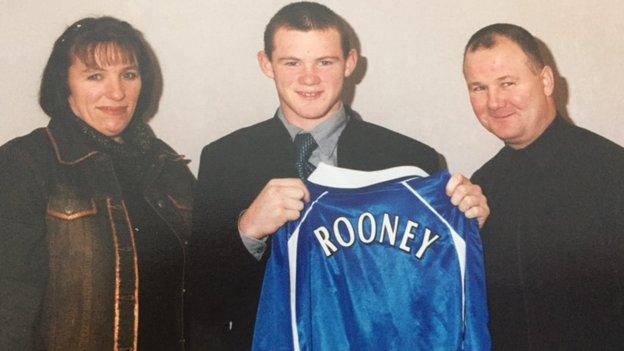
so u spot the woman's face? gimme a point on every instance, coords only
(104, 95)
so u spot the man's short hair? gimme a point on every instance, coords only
(485, 38)
(305, 16)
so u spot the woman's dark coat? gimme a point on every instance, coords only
(69, 276)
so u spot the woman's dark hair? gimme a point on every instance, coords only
(95, 41)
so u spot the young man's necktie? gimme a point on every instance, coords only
(304, 145)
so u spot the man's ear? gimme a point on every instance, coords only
(351, 62)
(265, 64)
(548, 80)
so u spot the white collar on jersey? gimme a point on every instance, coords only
(337, 177)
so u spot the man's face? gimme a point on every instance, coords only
(508, 97)
(309, 69)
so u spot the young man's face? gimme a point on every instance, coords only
(508, 96)
(309, 69)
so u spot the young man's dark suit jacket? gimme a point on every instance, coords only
(225, 279)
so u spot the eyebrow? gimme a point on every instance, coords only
(330, 57)
(288, 58)
(293, 58)
(99, 69)
(505, 77)
(499, 79)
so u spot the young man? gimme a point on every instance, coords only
(554, 245)
(250, 182)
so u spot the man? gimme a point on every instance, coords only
(554, 244)
(250, 182)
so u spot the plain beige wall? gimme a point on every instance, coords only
(413, 53)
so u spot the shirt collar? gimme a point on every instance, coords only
(325, 134)
(545, 148)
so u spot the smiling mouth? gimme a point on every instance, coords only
(503, 115)
(310, 94)
(113, 110)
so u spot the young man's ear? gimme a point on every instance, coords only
(351, 62)
(265, 64)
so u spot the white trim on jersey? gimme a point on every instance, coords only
(337, 177)
(292, 268)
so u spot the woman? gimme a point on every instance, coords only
(94, 210)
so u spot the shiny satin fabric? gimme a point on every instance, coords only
(388, 266)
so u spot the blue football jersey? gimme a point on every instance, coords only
(377, 261)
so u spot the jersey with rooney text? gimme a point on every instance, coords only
(377, 261)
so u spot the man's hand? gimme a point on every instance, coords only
(468, 197)
(280, 201)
